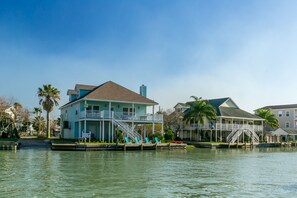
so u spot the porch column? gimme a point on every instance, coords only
(103, 131)
(232, 124)
(216, 132)
(109, 110)
(109, 131)
(262, 130)
(79, 128)
(144, 130)
(221, 139)
(85, 124)
(133, 114)
(210, 135)
(112, 129)
(153, 127)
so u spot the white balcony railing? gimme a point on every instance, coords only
(121, 116)
(223, 127)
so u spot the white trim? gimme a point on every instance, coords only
(98, 100)
(242, 118)
(119, 101)
(227, 101)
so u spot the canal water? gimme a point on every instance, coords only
(270, 172)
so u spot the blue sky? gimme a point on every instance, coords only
(246, 50)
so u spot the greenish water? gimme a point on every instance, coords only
(177, 173)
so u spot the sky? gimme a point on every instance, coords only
(246, 50)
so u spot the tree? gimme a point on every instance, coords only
(168, 135)
(172, 119)
(37, 111)
(269, 118)
(6, 123)
(4, 103)
(48, 98)
(199, 110)
(39, 124)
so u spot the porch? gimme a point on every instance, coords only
(220, 132)
(122, 116)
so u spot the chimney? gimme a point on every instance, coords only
(142, 90)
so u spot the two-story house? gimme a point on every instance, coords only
(286, 115)
(231, 124)
(101, 110)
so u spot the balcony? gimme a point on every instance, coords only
(123, 116)
(223, 127)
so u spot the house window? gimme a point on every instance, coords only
(96, 108)
(287, 113)
(66, 125)
(89, 108)
(128, 111)
(287, 124)
(280, 114)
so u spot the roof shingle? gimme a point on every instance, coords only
(111, 91)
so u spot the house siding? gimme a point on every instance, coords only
(284, 118)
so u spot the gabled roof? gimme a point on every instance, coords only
(288, 106)
(236, 112)
(183, 105)
(224, 110)
(278, 132)
(71, 92)
(111, 91)
(87, 87)
(216, 103)
(283, 131)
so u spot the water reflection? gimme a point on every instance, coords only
(168, 173)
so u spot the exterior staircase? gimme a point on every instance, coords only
(245, 129)
(127, 130)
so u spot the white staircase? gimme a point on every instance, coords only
(245, 129)
(127, 130)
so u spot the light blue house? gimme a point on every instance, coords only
(99, 110)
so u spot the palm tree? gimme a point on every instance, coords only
(37, 111)
(269, 118)
(48, 98)
(199, 110)
(39, 124)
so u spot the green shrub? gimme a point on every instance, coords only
(169, 135)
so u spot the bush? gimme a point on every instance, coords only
(169, 135)
(120, 137)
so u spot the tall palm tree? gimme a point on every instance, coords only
(48, 98)
(269, 118)
(199, 110)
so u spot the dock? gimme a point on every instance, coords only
(114, 147)
(8, 145)
(238, 145)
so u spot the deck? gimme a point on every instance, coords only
(114, 147)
